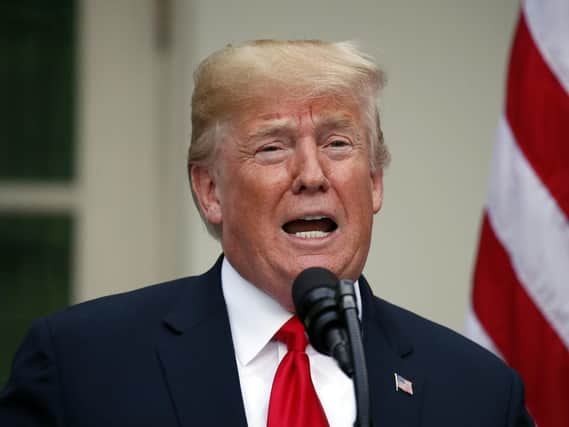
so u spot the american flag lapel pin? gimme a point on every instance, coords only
(403, 384)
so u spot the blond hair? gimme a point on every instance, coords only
(237, 78)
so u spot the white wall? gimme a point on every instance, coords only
(118, 174)
(445, 62)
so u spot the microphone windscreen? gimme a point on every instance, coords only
(308, 280)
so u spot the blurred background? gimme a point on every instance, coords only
(95, 110)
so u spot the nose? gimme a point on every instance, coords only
(309, 175)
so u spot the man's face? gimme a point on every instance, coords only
(292, 188)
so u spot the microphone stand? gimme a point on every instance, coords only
(347, 304)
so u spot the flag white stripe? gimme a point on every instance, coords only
(476, 332)
(533, 230)
(548, 23)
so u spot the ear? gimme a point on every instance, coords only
(205, 188)
(377, 190)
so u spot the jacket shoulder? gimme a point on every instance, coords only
(414, 325)
(138, 306)
(457, 371)
(430, 339)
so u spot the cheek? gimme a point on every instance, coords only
(358, 191)
(255, 194)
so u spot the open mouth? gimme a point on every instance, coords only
(310, 227)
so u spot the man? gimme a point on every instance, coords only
(285, 165)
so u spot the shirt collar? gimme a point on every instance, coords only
(248, 305)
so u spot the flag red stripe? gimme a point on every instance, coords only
(520, 332)
(537, 109)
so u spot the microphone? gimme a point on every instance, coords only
(314, 297)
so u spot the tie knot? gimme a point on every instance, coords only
(292, 334)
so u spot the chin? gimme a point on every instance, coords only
(323, 261)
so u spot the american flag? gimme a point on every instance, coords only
(520, 298)
(403, 384)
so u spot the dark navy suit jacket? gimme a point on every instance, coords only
(163, 356)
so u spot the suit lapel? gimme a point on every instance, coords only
(388, 352)
(197, 356)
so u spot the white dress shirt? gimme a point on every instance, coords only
(254, 318)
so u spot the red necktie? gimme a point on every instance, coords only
(294, 402)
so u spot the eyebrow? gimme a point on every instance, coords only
(273, 128)
(323, 125)
(335, 122)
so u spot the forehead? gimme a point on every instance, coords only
(318, 112)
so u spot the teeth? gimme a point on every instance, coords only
(311, 234)
(313, 218)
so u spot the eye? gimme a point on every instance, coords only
(338, 147)
(273, 152)
(338, 143)
(269, 148)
